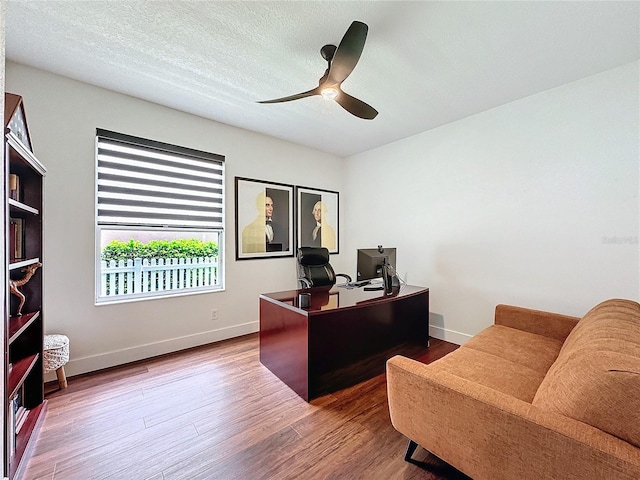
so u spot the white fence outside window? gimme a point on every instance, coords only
(125, 278)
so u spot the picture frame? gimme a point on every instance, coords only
(318, 218)
(256, 236)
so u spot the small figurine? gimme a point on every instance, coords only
(14, 284)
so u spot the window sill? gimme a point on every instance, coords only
(119, 300)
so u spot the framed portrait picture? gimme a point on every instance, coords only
(318, 218)
(264, 219)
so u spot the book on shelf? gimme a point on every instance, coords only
(19, 412)
(16, 239)
(14, 186)
(21, 416)
(17, 417)
(19, 238)
(11, 437)
(16, 401)
(12, 241)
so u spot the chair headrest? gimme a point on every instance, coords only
(313, 256)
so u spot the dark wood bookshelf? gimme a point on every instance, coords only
(23, 334)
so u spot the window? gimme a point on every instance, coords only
(159, 219)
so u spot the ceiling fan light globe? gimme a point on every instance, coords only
(329, 93)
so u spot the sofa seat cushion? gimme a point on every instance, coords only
(505, 359)
(533, 351)
(596, 377)
(492, 371)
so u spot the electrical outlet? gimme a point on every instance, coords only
(214, 314)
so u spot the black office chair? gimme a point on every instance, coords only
(314, 269)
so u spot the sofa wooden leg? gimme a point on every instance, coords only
(411, 447)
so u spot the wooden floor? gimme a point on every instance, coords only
(216, 413)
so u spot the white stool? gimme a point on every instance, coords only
(56, 355)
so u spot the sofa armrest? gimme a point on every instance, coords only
(552, 325)
(489, 435)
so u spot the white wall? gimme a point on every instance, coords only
(62, 116)
(533, 203)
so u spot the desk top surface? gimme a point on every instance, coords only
(340, 297)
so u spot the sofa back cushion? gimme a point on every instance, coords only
(596, 377)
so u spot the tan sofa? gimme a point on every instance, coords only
(537, 396)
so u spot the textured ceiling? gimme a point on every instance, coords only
(425, 64)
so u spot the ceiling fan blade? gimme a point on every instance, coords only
(356, 107)
(315, 91)
(348, 52)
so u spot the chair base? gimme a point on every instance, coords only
(411, 447)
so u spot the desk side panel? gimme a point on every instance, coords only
(284, 346)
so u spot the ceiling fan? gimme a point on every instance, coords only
(342, 60)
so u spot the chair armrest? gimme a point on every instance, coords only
(304, 283)
(491, 436)
(552, 325)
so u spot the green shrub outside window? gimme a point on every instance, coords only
(183, 248)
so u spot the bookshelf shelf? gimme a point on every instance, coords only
(18, 372)
(23, 263)
(23, 392)
(17, 208)
(24, 156)
(17, 325)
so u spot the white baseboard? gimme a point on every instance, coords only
(449, 335)
(92, 363)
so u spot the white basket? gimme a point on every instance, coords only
(56, 352)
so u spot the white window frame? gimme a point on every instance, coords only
(168, 209)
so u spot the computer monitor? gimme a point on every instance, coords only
(370, 261)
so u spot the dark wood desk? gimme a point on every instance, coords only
(343, 338)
